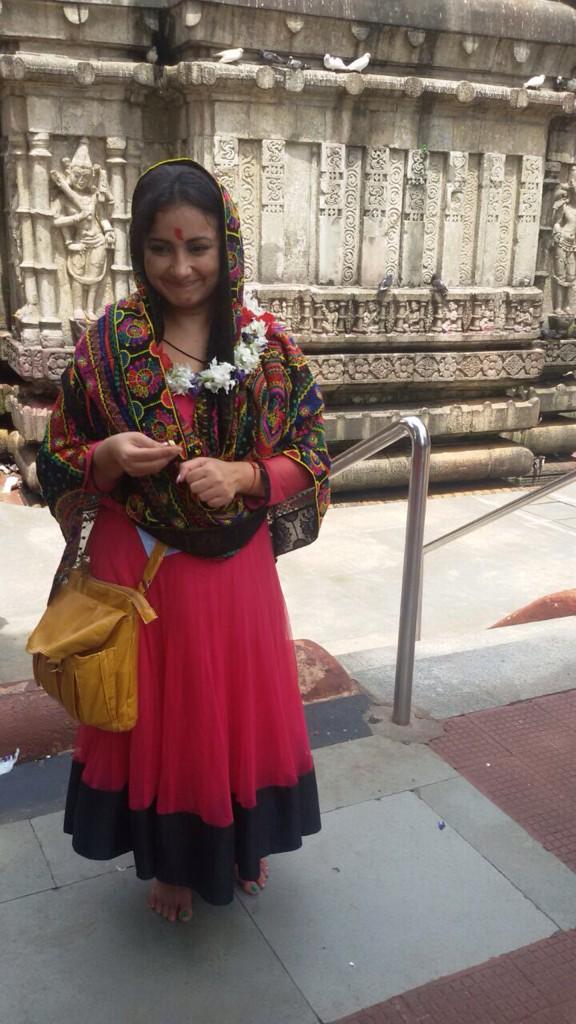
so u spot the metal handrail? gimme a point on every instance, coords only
(499, 513)
(414, 428)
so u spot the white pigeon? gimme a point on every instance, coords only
(334, 63)
(535, 83)
(230, 56)
(360, 63)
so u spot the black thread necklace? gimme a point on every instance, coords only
(187, 354)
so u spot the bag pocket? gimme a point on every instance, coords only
(92, 680)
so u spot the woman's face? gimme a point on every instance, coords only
(182, 257)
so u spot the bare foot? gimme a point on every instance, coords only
(253, 888)
(174, 902)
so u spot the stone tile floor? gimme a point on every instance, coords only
(522, 757)
(533, 985)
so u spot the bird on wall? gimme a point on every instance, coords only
(271, 57)
(297, 65)
(536, 82)
(438, 285)
(385, 283)
(337, 64)
(565, 84)
(230, 56)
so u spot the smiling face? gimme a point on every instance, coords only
(182, 257)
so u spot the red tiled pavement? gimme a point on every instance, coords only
(523, 758)
(533, 985)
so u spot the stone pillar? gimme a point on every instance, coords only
(528, 219)
(414, 207)
(134, 149)
(116, 163)
(248, 199)
(18, 152)
(432, 217)
(456, 179)
(382, 221)
(491, 182)
(331, 210)
(40, 156)
(225, 162)
(352, 196)
(273, 197)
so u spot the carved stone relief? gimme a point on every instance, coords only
(407, 314)
(563, 247)
(82, 211)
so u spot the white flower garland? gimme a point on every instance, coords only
(182, 380)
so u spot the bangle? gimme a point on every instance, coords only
(255, 468)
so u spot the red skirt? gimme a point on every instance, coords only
(217, 771)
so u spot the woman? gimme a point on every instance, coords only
(188, 418)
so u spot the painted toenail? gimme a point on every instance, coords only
(184, 915)
(253, 887)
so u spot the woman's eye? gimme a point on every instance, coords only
(198, 248)
(158, 250)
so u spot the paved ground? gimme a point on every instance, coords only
(425, 897)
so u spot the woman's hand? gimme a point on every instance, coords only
(132, 453)
(216, 483)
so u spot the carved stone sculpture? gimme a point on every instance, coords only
(81, 211)
(564, 244)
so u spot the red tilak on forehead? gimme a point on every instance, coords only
(178, 234)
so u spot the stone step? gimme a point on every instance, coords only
(476, 415)
(483, 669)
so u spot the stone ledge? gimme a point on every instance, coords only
(455, 418)
(38, 66)
(557, 437)
(210, 73)
(415, 367)
(494, 461)
(555, 398)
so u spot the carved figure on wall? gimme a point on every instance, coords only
(370, 319)
(414, 317)
(81, 212)
(564, 244)
(452, 315)
(331, 316)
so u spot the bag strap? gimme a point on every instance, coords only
(152, 565)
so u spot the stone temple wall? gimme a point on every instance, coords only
(436, 160)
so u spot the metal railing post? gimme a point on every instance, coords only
(412, 574)
(411, 597)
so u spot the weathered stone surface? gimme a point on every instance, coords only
(25, 459)
(460, 418)
(30, 416)
(554, 437)
(5, 392)
(561, 353)
(493, 461)
(320, 675)
(554, 397)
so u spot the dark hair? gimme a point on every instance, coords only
(177, 184)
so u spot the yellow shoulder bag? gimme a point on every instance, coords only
(85, 647)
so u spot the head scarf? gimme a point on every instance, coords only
(116, 382)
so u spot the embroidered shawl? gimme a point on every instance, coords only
(116, 382)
